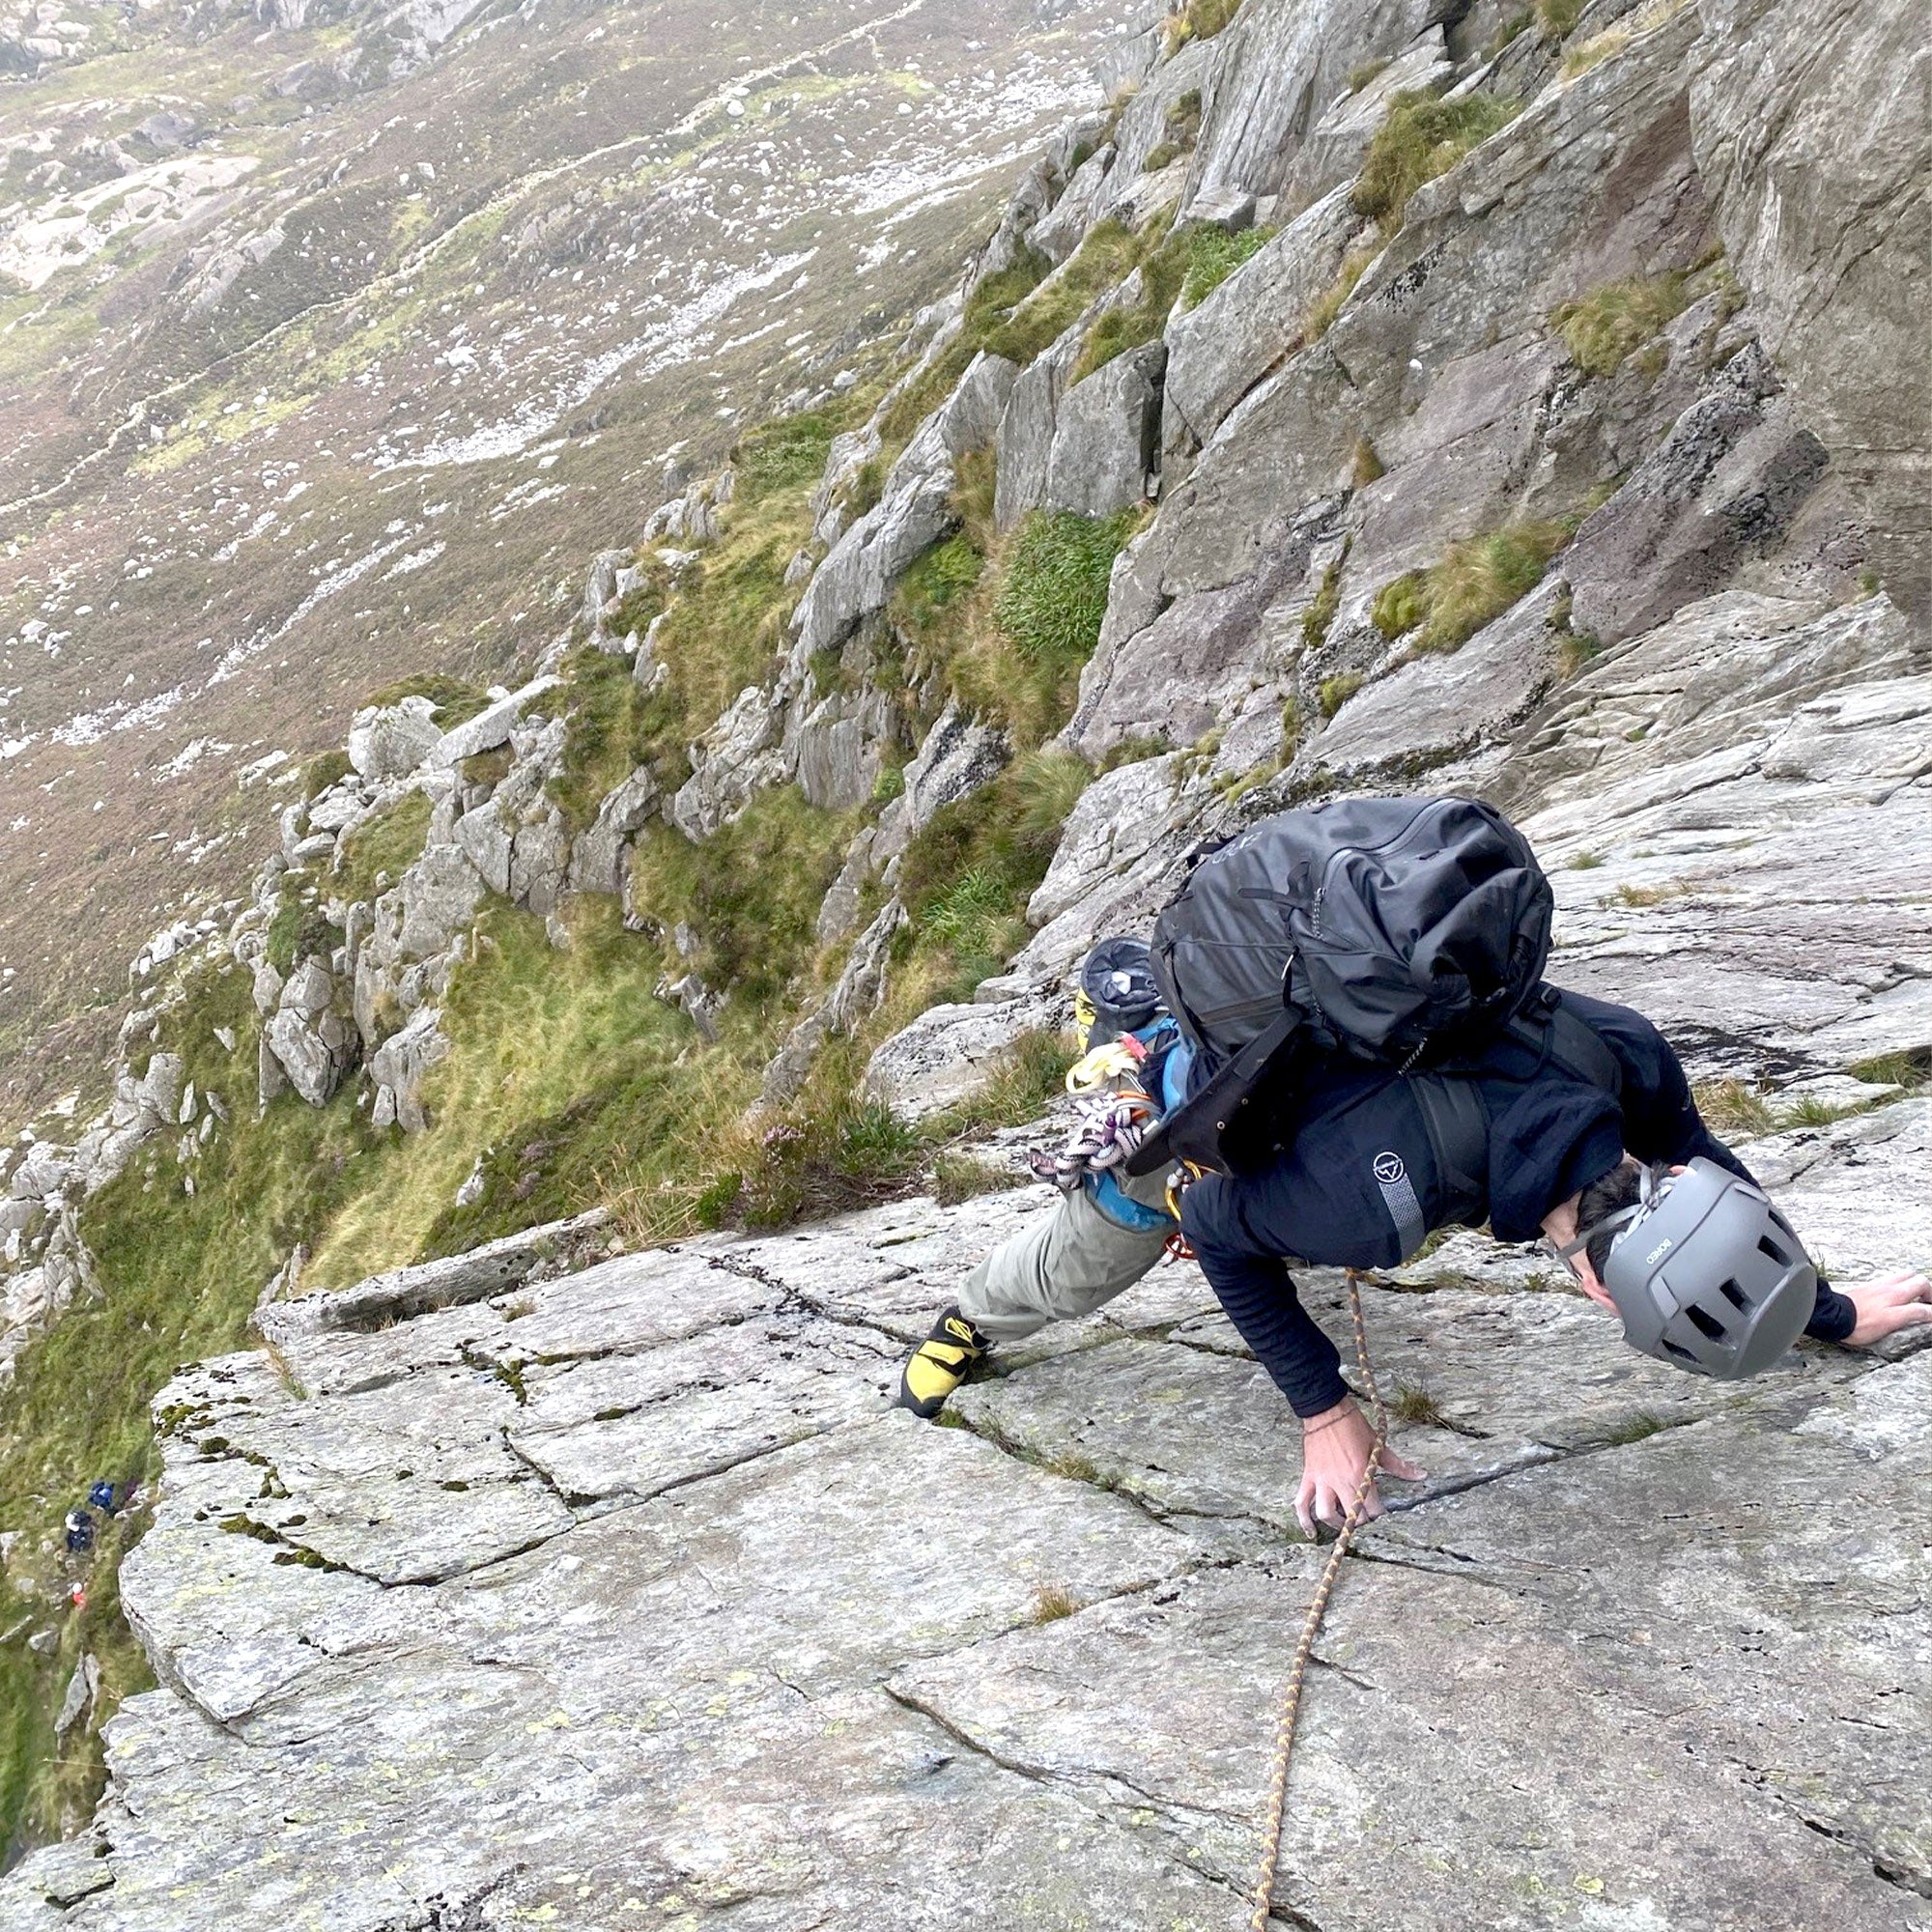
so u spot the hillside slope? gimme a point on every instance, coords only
(1362, 401)
(332, 339)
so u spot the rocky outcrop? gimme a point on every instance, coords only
(1813, 145)
(549, 1536)
(391, 742)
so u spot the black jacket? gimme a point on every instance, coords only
(1334, 1200)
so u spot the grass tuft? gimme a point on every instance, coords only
(1732, 1107)
(1613, 321)
(1051, 1603)
(1329, 303)
(1476, 581)
(1053, 595)
(1422, 137)
(1337, 691)
(1214, 255)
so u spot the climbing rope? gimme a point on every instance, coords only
(1318, 1606)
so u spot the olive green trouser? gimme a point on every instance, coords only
(1065, 1264)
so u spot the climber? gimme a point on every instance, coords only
(1561, 1115)
(80, 1528)
(1110, 1229)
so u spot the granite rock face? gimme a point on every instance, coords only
(617, 1565)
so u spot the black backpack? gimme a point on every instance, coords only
(1409, 931)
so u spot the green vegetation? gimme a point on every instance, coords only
(1364, 72)
(1554, 18)
(1321, 613)
(1614, 38)
(1477, 580)
(1911, 1069)
(382, 848)
(1611, 322)
(1729, 1106)
(1423, 137)
(1586, 861)
(603, 737)
(1054, 591)
(1636, 1426)
(963, 1177)
(782, 454)
(1417, 1406)
(937, 582)
(1198, 20)
(1178, 133)
(455, 699)
(1214, 255)
(1337, 691)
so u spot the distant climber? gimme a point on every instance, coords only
(1342, 1038)
(101, 1496)
(79, 1527)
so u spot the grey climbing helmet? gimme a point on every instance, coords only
(1705, 1272)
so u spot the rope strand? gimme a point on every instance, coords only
(1317, 1607)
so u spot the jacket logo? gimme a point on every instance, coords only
(1389, 1169)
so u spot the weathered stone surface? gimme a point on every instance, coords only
(596, 860)
(858, 574)
(1435, 707)
(1106, 433)
(739, 754)
(1811, 136)
(855, 995)
(1722, 488)
(1343, 129)
(392, 741)
(948, 1052)
(400, 1064)
(490, 726)
(1713, 892)
(1284, 65)
(1218, 351)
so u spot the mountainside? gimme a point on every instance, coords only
(495, 1255)
(333, 338)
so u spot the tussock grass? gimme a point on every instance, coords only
(1613, 321)
(1214, 255)
(1197, 20)
(1416, 1404)
(455, 699)
(1051, 1603)
(1053, 594)
(1556, 18)
(782, 454)
(1476, 581)
(1614, 38)
(1337, 691)
(1730, 1106)
(1423, 137)
(961, 1176)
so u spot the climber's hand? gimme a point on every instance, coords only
(1898, 1301)
(1335, 1449)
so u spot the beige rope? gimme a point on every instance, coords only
(1290, 1697)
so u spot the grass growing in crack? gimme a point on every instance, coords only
(1197, 20)
(962, 1177)
(1910, 1069)
(1477, 580)
(1416, 1404)
(1214, 255)
(1613, 39)
(1051, 1603)
(1054, 592)
(1328, 304)
(1637, 1427)
(1422, 137)
(1337, 691)
(1730, 1106)
(1586, 861)
(1637, 896)
(1614, 320)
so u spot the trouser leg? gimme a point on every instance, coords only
(1066, 1264)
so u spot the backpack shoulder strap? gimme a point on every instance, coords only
(1458, 1126)
(1550, 1028)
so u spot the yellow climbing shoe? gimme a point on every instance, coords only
(940, 1364)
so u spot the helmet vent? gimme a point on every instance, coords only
(1705, 1324)
(1677, 1350)
(1734, 1294)
(1767, 1246)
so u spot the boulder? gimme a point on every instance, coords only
(491, 727)
(398, 1066)
(1106, 436)
(958, 756)
(437, 898)
(947, 1054)
(597, 860)
(737, 757)
(839, 746)
(539, 863)
(390, 741)
(858, 574)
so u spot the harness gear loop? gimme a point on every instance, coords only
(1318, 1606)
